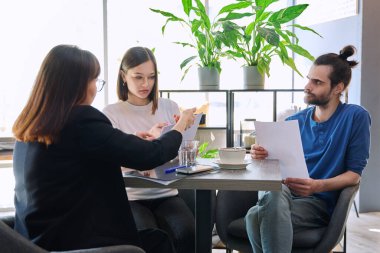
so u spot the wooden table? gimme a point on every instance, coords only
(259, 175)
(6, 155)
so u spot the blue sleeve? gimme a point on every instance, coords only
(357, 152)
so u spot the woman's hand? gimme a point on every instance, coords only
(258, 152)
(145, 135)
(157, 129)
(176, 117)
(185, 120)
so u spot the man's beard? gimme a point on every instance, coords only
(311, 99)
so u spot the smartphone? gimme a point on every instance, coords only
(194, 169)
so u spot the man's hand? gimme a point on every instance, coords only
(258, 152)
(303, 186)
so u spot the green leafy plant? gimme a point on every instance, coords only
(208, 37)
(266, 35)
(203, 152)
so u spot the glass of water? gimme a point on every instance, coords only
(187, 153)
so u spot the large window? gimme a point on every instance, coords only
(29, 29)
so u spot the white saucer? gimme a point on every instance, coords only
(233, 166)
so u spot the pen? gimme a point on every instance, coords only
(173, 169)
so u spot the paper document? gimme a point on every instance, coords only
(282, 140)
(190, 133)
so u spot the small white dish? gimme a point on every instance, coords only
(233, 166)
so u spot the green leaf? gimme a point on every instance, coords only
(287, 14)
(234, 54)
(184, 44)
(204, 153)
(200, 6)
(233, 15)
(235, 6)
(289, 33)
(269, 35)
(186, 61)
(195, 25)
(284, 36)
(262, 17)
(290, 62)
(168, 14)
(201, 39)
(164, 26)
(202, 148)
(307, 29)
(185, 72)
(187, 4)
(283, 53)
(264, 3)
(249, 28)
(201, 11)
(301, 51)
(203, 17)
(212, 153)
(230, 26)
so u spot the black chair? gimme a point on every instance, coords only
(232, 206)
(13, 242)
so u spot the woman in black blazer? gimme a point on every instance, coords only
(69, 190)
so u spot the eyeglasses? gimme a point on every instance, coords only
(100, 84)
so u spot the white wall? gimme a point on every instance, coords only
(370, 99)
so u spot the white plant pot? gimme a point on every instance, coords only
(252, 79)
(209, 78)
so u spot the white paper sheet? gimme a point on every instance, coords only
(282, 140)
(190, 133)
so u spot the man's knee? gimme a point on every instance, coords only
(251, 216)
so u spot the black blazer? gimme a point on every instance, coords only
(71, 194)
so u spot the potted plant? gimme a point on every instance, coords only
(265, 36)
(208, 40)
(204, 152)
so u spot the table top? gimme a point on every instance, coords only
(258, 175)
(6, 155)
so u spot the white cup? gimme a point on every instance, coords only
(232, 155)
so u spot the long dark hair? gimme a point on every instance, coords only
(341, 67)
(132, 58)
(61, 84)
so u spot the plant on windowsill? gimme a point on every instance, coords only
(208, 39)
(264, 37)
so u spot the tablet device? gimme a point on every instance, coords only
(194, 169)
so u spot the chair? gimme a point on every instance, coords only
(13, 242)
(232, 206)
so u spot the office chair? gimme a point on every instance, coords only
(232, 206)
(13, 242)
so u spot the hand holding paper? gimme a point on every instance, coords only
(282, 140)
(188, 134)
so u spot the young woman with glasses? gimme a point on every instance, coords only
(140, 108)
